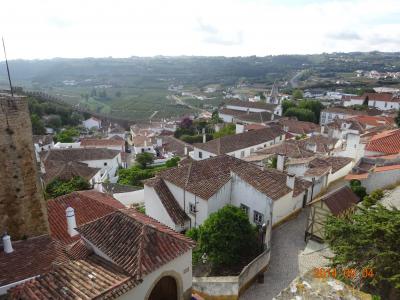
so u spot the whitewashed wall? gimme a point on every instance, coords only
(285, 206)
(340, 173)
(382, 105)
(129, 198)
(155, 208)
(380, 180)
(179, 267)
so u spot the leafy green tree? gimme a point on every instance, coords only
(144, 159)
(228, 129)
(358, 189)
(273, 163)
(297, 94)
(373, 198)
(226, 237)
(59, 187)
(313, 105)
(37, 125)
(286, 104)
(54, 121)
(173, 162)
(301, 114)
(369, 239)
(67, 135)
(215, 119)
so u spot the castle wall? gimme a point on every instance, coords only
(22, 206)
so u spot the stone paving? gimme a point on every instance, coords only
(287, 244)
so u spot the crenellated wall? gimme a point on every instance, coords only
(22, 205)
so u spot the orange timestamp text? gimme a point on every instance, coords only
(349, 273)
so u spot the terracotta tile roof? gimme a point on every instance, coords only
(253, 117)
(259, 105)
(324, 144)
(250, 127)
(356, 176)
(374, 120)
(344, 110)
(174, 145)
(87, 143)
(168, 200)
(299, 127)
(338, 162)
(141, 140)
(300, 186)
(116, 137)
(115, 188)
(340, 200)
(135, 242)
(289, 148)
(387, 142)
(386, 97)
(66, 170)
(80, 279)
(78, 154)
(239, 141)
(204, 178)
(387, 168)
(88, 206)
(31, 257)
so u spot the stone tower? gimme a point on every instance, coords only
(22, 206)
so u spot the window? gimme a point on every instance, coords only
(258, 218)
(105, 164)
(242, 154)
(385, 104)
(192, 208)
(244, 208)
(200, 154)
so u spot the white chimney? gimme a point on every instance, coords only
(290, 180)
(239, 128)
(71, 221)
(7, 245)
(185, 150)
(204, 138)
(280, 162)
(145, 143)
(159, 142)
(311, 147)
(322, 129)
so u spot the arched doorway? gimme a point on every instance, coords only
(165, 289)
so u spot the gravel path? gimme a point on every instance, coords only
(287, 244)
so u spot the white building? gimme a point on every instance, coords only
(239, 145)
(92, 122)
(330, 114)
(383, 101)
(108, 161)
(185, 196)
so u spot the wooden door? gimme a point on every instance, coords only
(165, 289)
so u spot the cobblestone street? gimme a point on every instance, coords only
(287, 244)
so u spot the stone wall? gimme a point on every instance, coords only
(22, 206)
(230, 287)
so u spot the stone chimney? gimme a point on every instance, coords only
(290, 178)
(280, 162)
(71, 221)
(7, 245)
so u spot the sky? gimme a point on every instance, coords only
(39, 29)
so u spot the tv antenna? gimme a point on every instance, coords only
(8, 70)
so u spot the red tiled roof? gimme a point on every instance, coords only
(31, 257)
(88, 206)
(78, 154)
(386, 97)
(374, 120)
(356, 176)
(66, 170)
(204, 178)
(299, 127)
(387, 168)
(168, 200)
(387, 142)
(102, 143)
(135, 242)
(87, 278)
(250, 127)
(340, 200)
(239, 141)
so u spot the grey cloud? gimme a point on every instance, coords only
(344, 36)
(378, 39)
